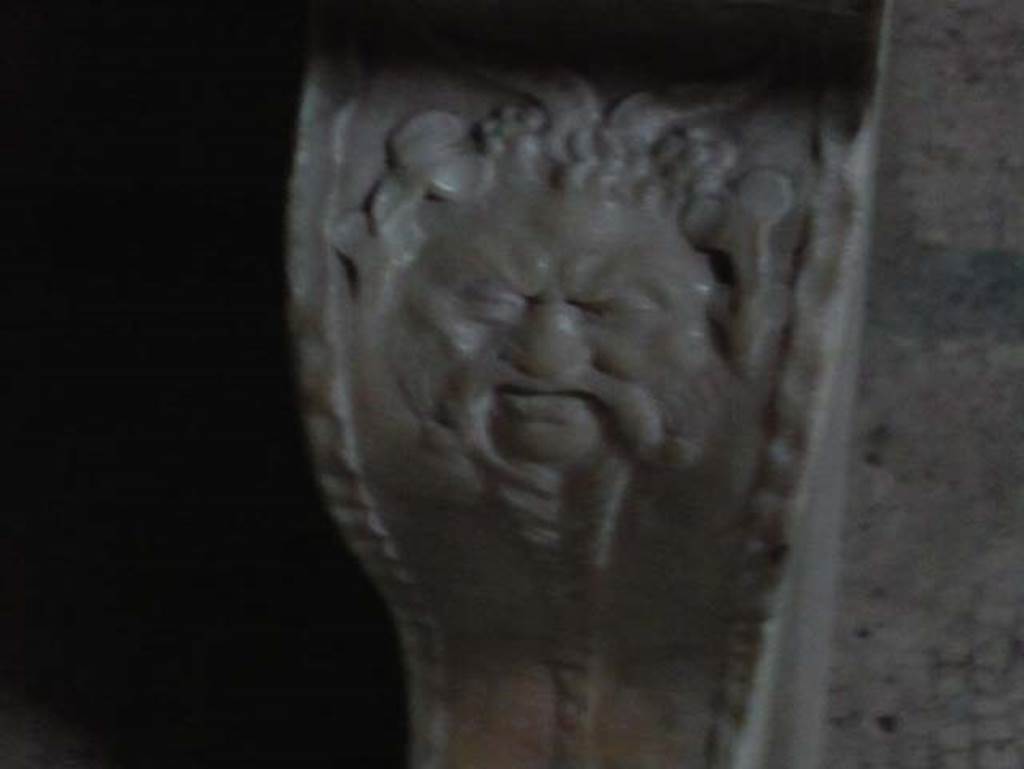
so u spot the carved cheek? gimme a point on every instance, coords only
(437, 321)
(682, 345)
(619, 355)
(629, 344)
(467, 338)
(489, 301)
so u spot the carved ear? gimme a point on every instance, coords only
(348, 238)
(705, 224)
(764, 238)
(750, 243)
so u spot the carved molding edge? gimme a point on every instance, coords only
(765, 191)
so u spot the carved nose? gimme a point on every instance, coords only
(549, 344)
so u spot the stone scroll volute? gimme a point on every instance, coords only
(574, 352)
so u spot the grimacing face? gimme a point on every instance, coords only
(541, 327)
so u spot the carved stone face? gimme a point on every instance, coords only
(552, 328)
(560, 411)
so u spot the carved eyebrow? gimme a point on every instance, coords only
(521, 265)
(584, 271)
(593, 269)
(530, 270)
(494, 255)
(662, 290)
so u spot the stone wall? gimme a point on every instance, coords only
(929, 666)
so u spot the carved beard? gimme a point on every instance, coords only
(532, 436)
(501, 421)
(524, 428)
(573, 493)
(534, 447)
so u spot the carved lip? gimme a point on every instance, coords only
(556, 406)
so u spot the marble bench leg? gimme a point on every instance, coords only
(575, 295)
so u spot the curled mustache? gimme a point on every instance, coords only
(672, 429)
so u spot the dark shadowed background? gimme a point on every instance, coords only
(171, 587)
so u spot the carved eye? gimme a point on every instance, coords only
(635, 301)
(595, 308)
(491, 301)
(624, 304)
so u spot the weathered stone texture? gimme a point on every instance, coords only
(929, 667)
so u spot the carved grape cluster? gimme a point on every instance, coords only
(641, 152)
(629, 148)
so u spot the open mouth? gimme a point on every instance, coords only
(545, 425)
(539, 405)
